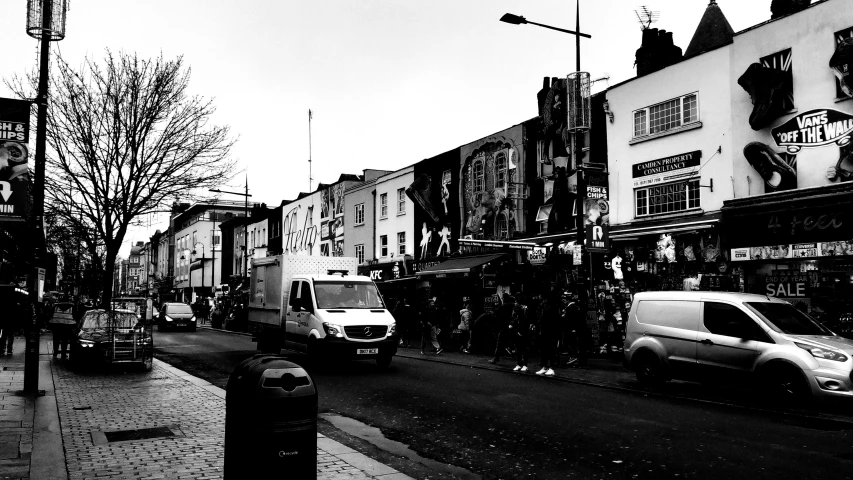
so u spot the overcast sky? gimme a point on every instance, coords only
(390, 82)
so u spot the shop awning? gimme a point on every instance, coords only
(676, 225)
(513, 244)
(461, 265)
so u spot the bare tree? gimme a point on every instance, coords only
(126, 138)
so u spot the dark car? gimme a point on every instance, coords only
(176, 315)
(113, 336)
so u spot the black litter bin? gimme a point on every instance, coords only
(270, 420)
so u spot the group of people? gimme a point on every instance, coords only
(543, 323)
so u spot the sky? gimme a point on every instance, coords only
(389, 82)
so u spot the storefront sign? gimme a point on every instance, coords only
(419, 266)
(797, 250)
(814, 128)
(665, 169)
(467, 242)
(791, 226)
(593, 191)
(295, 239)
(536, 256)
(14, 120)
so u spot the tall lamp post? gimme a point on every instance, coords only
(245, 195)
(578, 130)
(45, 22)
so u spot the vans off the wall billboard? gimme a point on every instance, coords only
(14, 154)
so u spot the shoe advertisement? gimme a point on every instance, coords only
(777, 172)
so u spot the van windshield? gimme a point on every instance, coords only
(783, 317)
(343, 294)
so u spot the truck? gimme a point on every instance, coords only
(319, 306)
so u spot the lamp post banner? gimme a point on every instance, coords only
(14, 171)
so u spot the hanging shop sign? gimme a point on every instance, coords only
(14, 170)
(815, 128)
(665, 169)
(537, 256)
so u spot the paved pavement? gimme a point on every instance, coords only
(63, 434)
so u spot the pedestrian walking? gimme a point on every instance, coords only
(548, 326)
(429, 330)
(520, 327)
(63, 326)
(465, 317)
(578, 334)
(402, 315)
(503, 316)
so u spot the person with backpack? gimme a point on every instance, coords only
(465, 318)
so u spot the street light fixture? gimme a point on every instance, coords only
(581, 180)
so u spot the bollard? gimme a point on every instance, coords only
(270, 420)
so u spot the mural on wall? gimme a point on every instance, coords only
(332, 230)
(436, 212)
(777, 170)
(771, 95)
(487, 173)
(325, 203)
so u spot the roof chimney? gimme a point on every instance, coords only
(780, 8)
(657, 51)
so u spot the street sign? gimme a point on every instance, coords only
(597, 239)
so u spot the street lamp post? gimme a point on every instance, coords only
(246, 196)
(578, 144)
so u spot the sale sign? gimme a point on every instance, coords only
(786, 286)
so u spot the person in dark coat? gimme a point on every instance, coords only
(520, 328)
(429, 328)
(578, 334)
(504, 318)
(548, 328)
(403, 316)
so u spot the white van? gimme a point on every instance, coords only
(318, 305)
(736, 336)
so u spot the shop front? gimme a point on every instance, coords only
(395, 279)
(471, 278)
(797, 245)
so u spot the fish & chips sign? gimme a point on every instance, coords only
(814, 128)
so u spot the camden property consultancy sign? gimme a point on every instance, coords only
(665, 169)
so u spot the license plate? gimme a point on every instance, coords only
(367, 351)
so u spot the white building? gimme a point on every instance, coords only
(394, 216)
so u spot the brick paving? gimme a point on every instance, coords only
(95, 401)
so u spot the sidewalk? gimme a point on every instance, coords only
(177, 424)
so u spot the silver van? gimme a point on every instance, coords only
(736, 336)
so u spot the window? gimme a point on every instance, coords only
(401, 201)
(383, 205)
(215, 239)
(502, 228)
(500, 170)
(667, 115)
(359, 214)
(781, 61)
(383, 246)
(731, 321)
(294, 289)
(359, 253)
(305, 294)
(673, 197)
(401, 243)
(478, 175)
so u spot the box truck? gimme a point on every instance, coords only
(318, 305)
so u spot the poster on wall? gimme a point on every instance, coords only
(815, 128)
(771, 252)
(14, 154)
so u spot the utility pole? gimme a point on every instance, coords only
(310, 174)
(583, 294)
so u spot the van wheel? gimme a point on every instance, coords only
(649, 369)
(788, 384)
(383, 361)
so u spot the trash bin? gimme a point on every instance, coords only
(270, 420)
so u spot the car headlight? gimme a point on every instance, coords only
(168, 318)
(86, 343)
(332, 329)
(823, 353)
(392, 330)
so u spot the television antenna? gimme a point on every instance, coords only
(646, 17)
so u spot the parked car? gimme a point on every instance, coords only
(113, 336)
(736, 336)
(176, 315)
